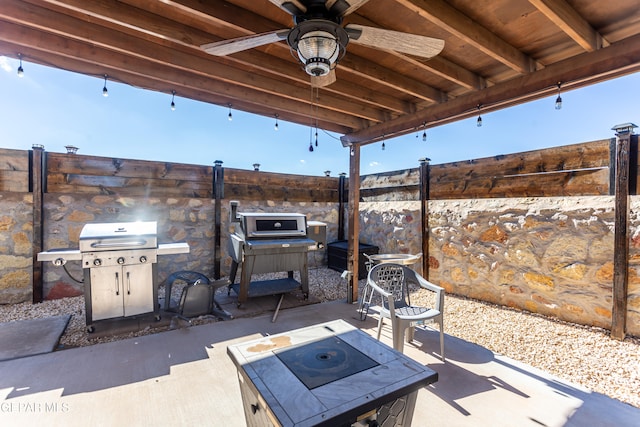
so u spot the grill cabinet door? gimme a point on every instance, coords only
(137, 288)
(106, 292)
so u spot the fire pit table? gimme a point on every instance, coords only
(330, 374)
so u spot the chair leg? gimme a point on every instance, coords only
(409, 333)
(398, 337)
(379, 327)
(441, 339)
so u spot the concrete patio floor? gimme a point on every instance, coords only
(184, 377)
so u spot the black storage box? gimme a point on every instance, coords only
(337, 253)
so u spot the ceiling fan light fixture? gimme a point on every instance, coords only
(318, 51)
(319, 45)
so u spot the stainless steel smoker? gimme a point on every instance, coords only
(267, 243)
(119, 266)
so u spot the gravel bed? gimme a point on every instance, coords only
(583, 355)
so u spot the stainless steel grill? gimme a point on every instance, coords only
(268, 243)
(119, 266)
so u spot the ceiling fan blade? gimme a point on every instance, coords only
(322, 81)
(227, 47)
(342, 8)
(294, 7)
(413, 44)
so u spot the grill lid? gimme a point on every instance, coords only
(118, 236)
(259, 225)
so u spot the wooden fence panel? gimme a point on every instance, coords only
(256, 185)
(103, 175)
(14, 170)
(580, 169)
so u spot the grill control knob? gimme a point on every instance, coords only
(97, 262)
(143, 259)
(121, 260)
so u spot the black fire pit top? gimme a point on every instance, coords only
(321, 362)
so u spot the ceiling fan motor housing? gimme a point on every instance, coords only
(320, 44)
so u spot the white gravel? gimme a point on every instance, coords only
(586, 356)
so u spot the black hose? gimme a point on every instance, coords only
(69, 274)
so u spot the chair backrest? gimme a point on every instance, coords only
(392, 279)
(196, 299)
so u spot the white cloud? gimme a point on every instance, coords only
(4, 64)
(303, 161)
(374, 164)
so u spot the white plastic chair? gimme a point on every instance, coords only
(391, 282)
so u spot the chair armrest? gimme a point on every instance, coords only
(378, 289)
(424, 283)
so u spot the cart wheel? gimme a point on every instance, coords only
(90, 329)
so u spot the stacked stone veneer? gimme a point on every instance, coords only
(552, 256)
(547, 255)
(16, 235)
(179, 220)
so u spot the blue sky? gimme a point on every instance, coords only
(56, 108)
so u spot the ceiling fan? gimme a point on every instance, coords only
(320, 41)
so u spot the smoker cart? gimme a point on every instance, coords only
(269, 243)
(330, 374)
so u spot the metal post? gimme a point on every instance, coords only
(621, 231)
(218, 194)
(424, 213)
(37, 186)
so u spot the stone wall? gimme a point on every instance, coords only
(552, 256)
(16, 233)
(179, 220)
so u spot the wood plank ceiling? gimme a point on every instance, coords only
(497, 53)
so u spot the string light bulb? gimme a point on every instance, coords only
(20, 69)
(559, 98)
(424, 132)
(230, 116)
(316, 137)
(479, 121)
(105, 91)
(173, 104)
(275, 127)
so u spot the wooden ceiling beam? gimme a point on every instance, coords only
(84, 58)
(207, 66)
(569, 20)
(287, 111)
(159, 28)
(247, 23)
(436, 65)
(458, 24)
(138, 20)
(613, 61)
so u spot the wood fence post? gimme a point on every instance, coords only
(354, 222)
(424, 214)
(218, 194)
(621, 231)
(36, 187)
(341, 199)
